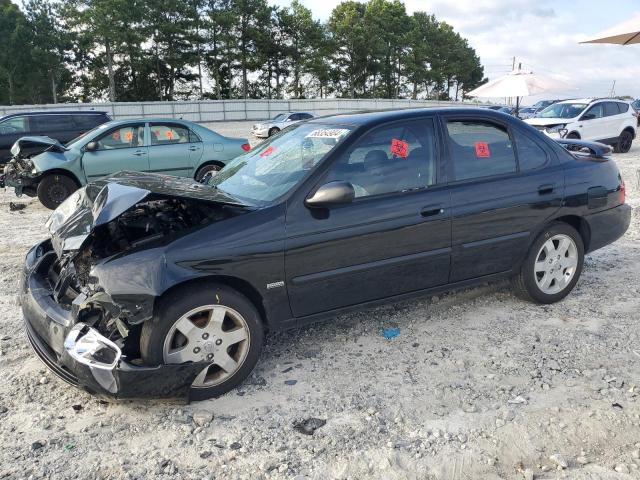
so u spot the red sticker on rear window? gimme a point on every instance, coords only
(482, 150)
(267, 151)
(399, 148)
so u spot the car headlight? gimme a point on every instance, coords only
(559, 129)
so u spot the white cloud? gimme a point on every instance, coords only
(544, 35)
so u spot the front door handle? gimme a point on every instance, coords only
(138, 153)
(193, 148)
(431, 210)
(546, 189)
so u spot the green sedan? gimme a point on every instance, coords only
(172, 147)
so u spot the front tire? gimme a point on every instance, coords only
(552, 266)
(213, 323)
(54, 189)
(624, 142)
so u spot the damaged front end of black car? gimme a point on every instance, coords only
(88, 289)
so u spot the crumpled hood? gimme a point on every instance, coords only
(36, 143)
(103, 201)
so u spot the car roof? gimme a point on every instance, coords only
(371, 117)
(55, 112)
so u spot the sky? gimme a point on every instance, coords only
(543, 35)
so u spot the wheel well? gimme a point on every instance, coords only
(581, 225)
(631, 131)
(241, 286)
(573, 133)
(210, 162)
(66, 173)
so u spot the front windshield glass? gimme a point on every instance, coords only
(280, 117)
(563, 110)
(274, 167)
(79, 138)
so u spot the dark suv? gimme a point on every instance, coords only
(63, 126)
(156, 285)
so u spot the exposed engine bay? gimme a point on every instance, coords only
(154, 221)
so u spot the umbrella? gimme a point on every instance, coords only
(624, 33)
(518, 83)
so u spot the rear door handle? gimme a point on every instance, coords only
(138, 153)
(193, 148)
(431, 210)
(546, 189)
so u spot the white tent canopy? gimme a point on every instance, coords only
(518, 83)
(624, 33)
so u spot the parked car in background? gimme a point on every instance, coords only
(603, 120)
(526, 112)
(636, 107)
(175, 147)
(542, 104)
(63, 126)
(150, 287)
(280, 121)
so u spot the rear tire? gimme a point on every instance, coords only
(273, 131)
(624, 142)
(161, 338)
(549, 273)
(212, 168)
(54, 189)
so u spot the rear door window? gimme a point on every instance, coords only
(55, 123)
(597, 111)
(611, 108)
(168, 134)
(531, 156)
(623, 107)
(480, 149)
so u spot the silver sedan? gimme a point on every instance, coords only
(280, 121)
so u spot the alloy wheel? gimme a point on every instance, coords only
(556, 264)
(212, 333)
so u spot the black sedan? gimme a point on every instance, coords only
(157, 286)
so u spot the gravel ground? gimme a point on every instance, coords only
(478, 385)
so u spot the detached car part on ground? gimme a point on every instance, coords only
(153, 285)
(52, 171)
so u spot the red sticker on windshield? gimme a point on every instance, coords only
(399, 148)
(482, 150)
(267, 151)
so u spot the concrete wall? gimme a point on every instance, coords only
(207, 111)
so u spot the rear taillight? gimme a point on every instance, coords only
(623, 191)
(246, 147)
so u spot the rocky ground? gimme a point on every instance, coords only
(478, 385)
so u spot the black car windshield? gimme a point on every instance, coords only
(274, 167)
(563, 110)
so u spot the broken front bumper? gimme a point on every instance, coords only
(22, 182)
(82, 356)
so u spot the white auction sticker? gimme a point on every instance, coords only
(328, 133)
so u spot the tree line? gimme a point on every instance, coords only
(137, 50)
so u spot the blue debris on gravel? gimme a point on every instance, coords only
(390, 333)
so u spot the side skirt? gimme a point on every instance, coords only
(322, 316)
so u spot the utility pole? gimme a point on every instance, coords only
(613, 89)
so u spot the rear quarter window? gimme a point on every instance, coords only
(480, 149)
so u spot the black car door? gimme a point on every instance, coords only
(498, 203)
(393, 238)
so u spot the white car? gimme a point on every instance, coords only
(604, 120)
(280, 121)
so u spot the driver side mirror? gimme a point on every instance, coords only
(332, 193)
(588, 116)
(91, 147)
